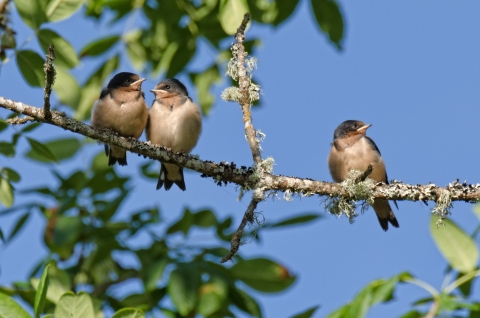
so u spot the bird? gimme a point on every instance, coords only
(174, 122)
(122, 108)
(353, 149)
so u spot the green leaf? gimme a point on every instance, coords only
(66, 88)
(271, 12)
(7, 41)
(41, 294)
(59, 149)
(245, 302)
(148, 172)
(10, 308)
(213, 296)
(59, 284)
(58, 10)
(10, 175)
(307, 313)
(91, 90)
(455, 245)
(412, 314)
(40, 151)
(183, 287)
(3, 124)
(18, 226)
(65, 55)
(382, 290)
(476, 211)
(167, 57)
(263, 275)
(154, 274)
(99, 46)
(204, 218)
(329, 18)
(465, 288)
(2, 237)
(67, 230)
(358, 308)
(284, 10)
(136, 50)
(29, 128)
(129, 313)
(340, 312)
(32, 12)
(182, 225)
(204, 82)
(296, 220)
(182, 54)
(7, 149)
(31, 67)
(74, 306)
(231, 14)
(6, 192)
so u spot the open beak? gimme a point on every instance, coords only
(363, 129)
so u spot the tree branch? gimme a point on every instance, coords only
(247, 219)
(50, 73)
(244, 84)
(20, 120)
(3, 5)
(365, 174)
(243, 176)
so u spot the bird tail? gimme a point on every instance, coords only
(163, 179)
(116, 155)
(385, 214)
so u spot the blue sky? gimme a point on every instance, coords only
(410, 68)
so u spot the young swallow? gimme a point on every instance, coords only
(352, 149)
(174, 122)
(122, 108)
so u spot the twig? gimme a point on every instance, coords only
(432, 312)
(20, 120)
(229, 172)
(3, 5)
(237, 236)
(364, 175)
(50, 73)
(244, 84)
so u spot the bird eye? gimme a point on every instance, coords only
(167, 87)
(355, 125)
(128, 80)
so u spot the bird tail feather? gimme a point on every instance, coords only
(385, 214)
(112, 159)
(164, 180)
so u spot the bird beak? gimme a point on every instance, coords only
(363, 129)
(138, 84)
(157, 91)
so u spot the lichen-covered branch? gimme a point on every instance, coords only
(244, 85)
(248, 218)
(20, 120)
(50, 73)
(244, 176)
(365, 174)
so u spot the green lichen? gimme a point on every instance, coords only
(444, 205)
(254, 92)
(231, 94)
(360, 191)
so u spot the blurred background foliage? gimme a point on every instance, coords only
(85, 241)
